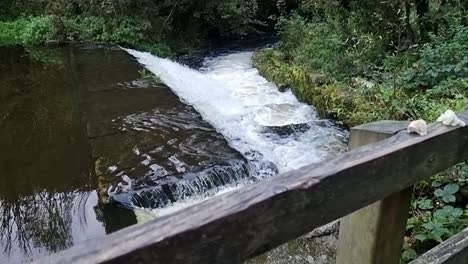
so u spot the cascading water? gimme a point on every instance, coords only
(247, 109)
(265, 125)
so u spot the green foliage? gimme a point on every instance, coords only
(328, 48)
(444, 59)
(149, 76)
(447, 194)
(408, 253)
(145, 21)
(230, 16)
(27, 31)
(127, 31)
(122, 30)
(437, 215)
(159, 49)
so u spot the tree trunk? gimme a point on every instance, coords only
(422, 8)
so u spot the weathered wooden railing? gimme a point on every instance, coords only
(238, 225)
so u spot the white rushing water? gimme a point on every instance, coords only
(244, 107)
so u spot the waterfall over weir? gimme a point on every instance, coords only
(271, 129)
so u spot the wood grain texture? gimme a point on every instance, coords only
(243, 223)
(452, 251)
(374, 234)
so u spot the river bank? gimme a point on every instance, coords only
(357, 100)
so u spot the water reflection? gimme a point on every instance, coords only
(36, 221)
(47, 170)
(45, 154)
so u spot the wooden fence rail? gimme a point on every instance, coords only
(238, 225)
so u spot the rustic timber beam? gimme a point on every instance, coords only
(237, 225)
(452, 251)
(375, 233)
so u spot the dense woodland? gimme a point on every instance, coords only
(356, 61)
(159, 26)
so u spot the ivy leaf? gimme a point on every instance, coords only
(425, 204)
(451, 188)
(439, 192)
(456, 212)
(431, 225)
(412, 222)
(448, 212)
(409, 254)
(421, 237)
(447, 194)
(439, 232)
(437, 238)
(449, 198)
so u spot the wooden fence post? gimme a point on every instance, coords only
(374, 234)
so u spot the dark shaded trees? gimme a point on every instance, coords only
(226, 17)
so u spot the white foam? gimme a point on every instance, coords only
(230, 94)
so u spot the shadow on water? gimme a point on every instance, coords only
(72, 122)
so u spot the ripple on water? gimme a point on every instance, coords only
(231, 95)
(271, 129)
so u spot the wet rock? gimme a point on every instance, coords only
(158, 193)
(283, 88)
(148, 134)
(317, 247)
(287, 130)
(325, 230)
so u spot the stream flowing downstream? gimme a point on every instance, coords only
(271, 129)
(78, 121)
(263, 124)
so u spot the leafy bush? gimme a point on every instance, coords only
(27, 31)
(324, 47)
(439, 210)
(181, 23)
(159, 49)
(230, 17)
(443, 60)
(122, 30)
(323, 50)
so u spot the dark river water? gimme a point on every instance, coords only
(73, 121)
